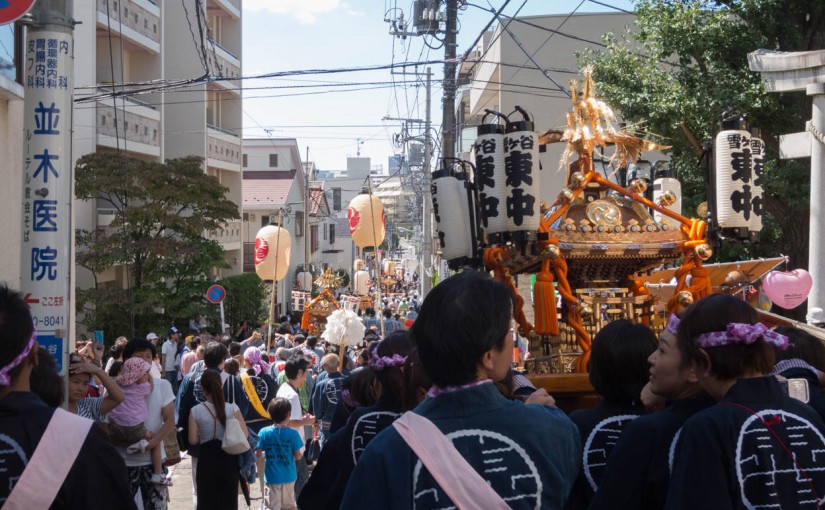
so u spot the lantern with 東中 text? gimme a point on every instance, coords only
(361, 283)
(304, 280)
(492, 192)
(521, 171)
(734, 179)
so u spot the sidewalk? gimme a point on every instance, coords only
(181, 492)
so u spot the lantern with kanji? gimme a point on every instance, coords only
(452, 216)
(367, 223)
(734, 179)
(273, 247)
(758, 191)
(521, 171)
(492, 192)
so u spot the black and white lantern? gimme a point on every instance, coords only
(758, 191)
(492, 192)
(521, 176)
(452, 216)
(734, 179)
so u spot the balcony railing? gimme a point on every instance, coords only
(133, 120)
(221, 147)
(231, 233)
(129, 14)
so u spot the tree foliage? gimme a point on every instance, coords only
(161, 212)
(684, 63)
(246, 299)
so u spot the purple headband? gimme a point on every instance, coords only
(253, 356)
(4, 372)
(379, 363)
(739, 333)
(346, 396)
(673, 324)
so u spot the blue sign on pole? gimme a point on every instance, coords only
(55, 347)
(215, 294)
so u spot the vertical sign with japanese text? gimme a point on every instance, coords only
(45, 276)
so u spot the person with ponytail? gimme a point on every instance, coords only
(756, 447)
(217, 476)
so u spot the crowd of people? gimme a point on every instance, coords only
(434, 415)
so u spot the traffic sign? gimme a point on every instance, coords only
(216, 293)
(10, 10)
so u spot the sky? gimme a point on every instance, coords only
(333, 115)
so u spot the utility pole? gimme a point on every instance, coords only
(448, 136)
(47, 247)
(427, 245)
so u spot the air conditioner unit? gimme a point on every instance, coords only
(252, 217)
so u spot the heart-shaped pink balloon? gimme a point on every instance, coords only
(787, 290)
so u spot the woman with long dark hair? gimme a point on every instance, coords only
(217, 475)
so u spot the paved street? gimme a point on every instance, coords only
(181, 492)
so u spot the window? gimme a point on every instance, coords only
(332, 234)
(299, 224)
(313, 238)
(102, 120)
(246, 216)
(264, 221)
(336, 199)
(325, 232)
(273, 160)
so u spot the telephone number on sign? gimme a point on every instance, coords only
(49, 320)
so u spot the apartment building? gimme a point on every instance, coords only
(134, 41)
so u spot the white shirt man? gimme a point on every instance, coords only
(296, 369)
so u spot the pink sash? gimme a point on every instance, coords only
(53, 458)
(456, 477)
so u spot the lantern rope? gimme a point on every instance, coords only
(274, 295)
(493, 259)
(377, 258)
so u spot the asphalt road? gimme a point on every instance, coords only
(180, 493)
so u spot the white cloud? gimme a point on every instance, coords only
(305, 11)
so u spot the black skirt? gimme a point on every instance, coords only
(217, 478)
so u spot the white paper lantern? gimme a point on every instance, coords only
(757, 190)
(358, 265)
(521, 176)
(361, 283)
(389, 267)
(733, 178)
(273, 247)
(452, 216)
(490, 178)
(305, 280)
(367, 223)
(663, 185)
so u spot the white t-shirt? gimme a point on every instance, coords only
(160, 397)
(286, 391)
(170, 350)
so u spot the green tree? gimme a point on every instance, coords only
(246, 299)
(684, 63)
(161, 211)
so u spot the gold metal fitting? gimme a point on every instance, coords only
(704, 251)
(565, 196)
(667, 198)
(638, 186)
(577, 180)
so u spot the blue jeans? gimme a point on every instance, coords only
(172, 377)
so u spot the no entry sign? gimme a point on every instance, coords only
(10, 10)
(216, 293)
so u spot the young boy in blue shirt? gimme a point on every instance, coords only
(282, 446)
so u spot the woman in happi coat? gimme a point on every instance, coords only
(757, 447)
(618, 371)
(638, 470)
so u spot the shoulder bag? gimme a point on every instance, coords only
(456, 477)
(234, 441)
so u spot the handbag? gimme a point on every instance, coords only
(312, 449)
(170, 446)
(234, 440)
(456, 477)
